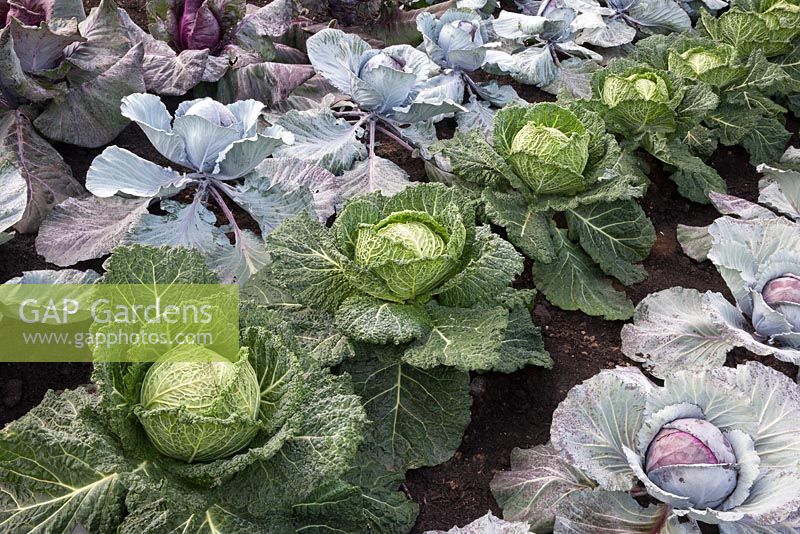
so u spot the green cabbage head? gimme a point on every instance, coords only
(709, 62)
(552, 149)
(636, 99)
(410, 251)
(198, 406)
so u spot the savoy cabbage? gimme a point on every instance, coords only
(99, 452)
(550, 158)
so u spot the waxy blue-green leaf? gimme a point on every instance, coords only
(590, 430)
(47, 177)
(322, 139)
(617, 512)
(539, 479)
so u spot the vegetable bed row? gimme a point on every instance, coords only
(367, 299)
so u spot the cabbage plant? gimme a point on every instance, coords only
(460, 42)
(655, 110)
(714, 447)
(225, 41)
(252, 442)
(402, 270)
(397, 92)
(749, 88)
(61, 79)
(758, 256)
(406, 294)
(547, 159)
(543, 49)
(225, 157)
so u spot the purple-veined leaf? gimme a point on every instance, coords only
(79, 229)
(271, 83)
(48, 177)
(89, 114)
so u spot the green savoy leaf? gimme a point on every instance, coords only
(60, 467)
(597, 420)
(522, 344)
(334, 507)
(616, 511)
(574, 282)
(766, 141)
(366, 209)
(744, 30)
(474, 160)
(306, 262)
(369, 320)
(731, 122)
(385, 508)
(701, 141)
(695, 179)
(466, 338)
(328, 427)
(538, 480)
(698, 102)
(418, 415)
(167, 506)
(141, 264)
(492, 266)
(316, 333)
(617, 235)
(527, 229)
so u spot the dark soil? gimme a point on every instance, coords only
(509, 411)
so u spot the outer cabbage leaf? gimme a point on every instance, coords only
(539, 479)
(464, 338)
(60, 467)
(780, 186)
(89, 114)
(616, 511)
(13, 203)
(597, 420)
(683, 329)
(617, 235)
(322, 139)
(419, 415)
(573, 282)
(47, 177)
(487, 523)
(311, 266)
(85, 228)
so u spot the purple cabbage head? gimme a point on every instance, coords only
(692, 458)
(782, 294)
(29, 12)
(198, 27)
